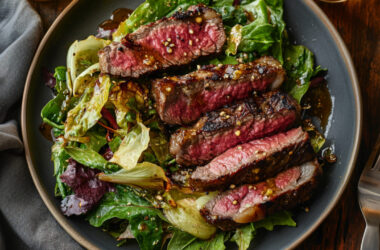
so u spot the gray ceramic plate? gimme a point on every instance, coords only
(308, 25)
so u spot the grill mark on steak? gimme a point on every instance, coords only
(173, 41)
(244, 121)
(254, 161)
(249, 203)
(183, 99)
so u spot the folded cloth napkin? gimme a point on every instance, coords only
(25, 222)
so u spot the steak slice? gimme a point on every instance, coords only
(173, 41)
(249, 203)
(242, 122)
(183, 99)
(254, 161)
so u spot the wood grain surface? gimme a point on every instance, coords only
(358, 22)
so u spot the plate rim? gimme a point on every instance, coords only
(343, 51)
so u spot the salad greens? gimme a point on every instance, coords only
(145, 220)
(129, 146)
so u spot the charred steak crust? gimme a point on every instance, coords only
(254, 161)
(173, 41)
(183, 99)
(227, 127)
(298, 191)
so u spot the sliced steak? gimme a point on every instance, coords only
(249, 203)
(242, 122)
(183, 99)
(254, 161)
(173, 41)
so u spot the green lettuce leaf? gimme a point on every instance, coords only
(96, 140)
(132, 146)
(150, 11)
(90, 158)
(184, 241)
(144, 219)
(87, 112)
(60, 79)
(60, 158)
(244, 235)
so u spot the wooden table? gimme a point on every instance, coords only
(358, 23)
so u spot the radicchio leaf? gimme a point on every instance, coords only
(88, 189)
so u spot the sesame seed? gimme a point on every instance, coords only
(198, 66)
(240, 108)
(237, 132)
(238, 123)
(222, 113)
(234, 202)
(159, 197)
(169, 39)
(232, 186)
(168, 89)
(171, 45)
(191, 31)
(240, 147)
(214, 217)
(184, 53)
(250, 187)
(166, 43)
(169, 50)
(190, 42)
(197, 39)
(198, 19)
(227, 116)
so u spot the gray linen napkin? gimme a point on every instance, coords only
(25, 222)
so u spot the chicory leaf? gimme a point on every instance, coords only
(88, 111)
(132, 146)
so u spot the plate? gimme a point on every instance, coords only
(306, 24)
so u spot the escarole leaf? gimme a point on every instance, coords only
(143, 218)
(85, 80)
(82, 54)
(150, 11)
(87, 112)
(145, 175)
(132, 146)
(244, 235)
(186, 217)
(127, 99)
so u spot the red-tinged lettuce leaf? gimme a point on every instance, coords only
(88, 189)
